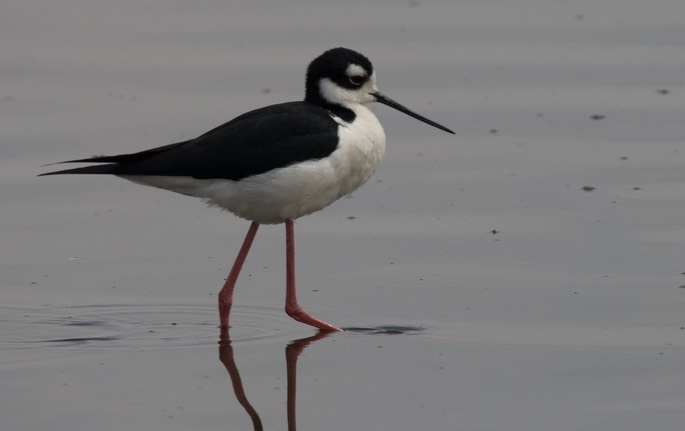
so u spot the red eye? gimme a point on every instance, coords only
(356, 79)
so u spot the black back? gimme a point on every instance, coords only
(253, 143)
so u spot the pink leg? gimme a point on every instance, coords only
(292, 308)
(226, 293)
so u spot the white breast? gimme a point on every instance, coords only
(297, 190)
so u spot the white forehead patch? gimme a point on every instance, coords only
(355, 70)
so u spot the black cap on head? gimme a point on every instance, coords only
(332, 64)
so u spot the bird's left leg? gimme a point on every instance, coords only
(226, 294)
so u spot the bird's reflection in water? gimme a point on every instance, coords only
(292, 352)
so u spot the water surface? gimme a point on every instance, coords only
(524, 275)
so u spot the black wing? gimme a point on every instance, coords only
(253, 143)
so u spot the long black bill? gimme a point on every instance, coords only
(382, 98)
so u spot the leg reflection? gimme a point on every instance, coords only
(226, 358)
(292, 353)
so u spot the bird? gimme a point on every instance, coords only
(277, 163)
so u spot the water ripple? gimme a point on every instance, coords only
(80, 328)
(135, 326)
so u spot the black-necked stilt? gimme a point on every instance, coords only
(277, 163)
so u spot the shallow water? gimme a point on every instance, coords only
(524, 275)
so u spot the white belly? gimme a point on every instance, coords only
(293, 191)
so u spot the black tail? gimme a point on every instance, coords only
(98, 169)
(114, 163)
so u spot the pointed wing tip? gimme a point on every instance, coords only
(96, 158)
(54, 172)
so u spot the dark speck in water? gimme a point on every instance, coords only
(386, 329)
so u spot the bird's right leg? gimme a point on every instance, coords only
(226, 294)
(292, 307)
